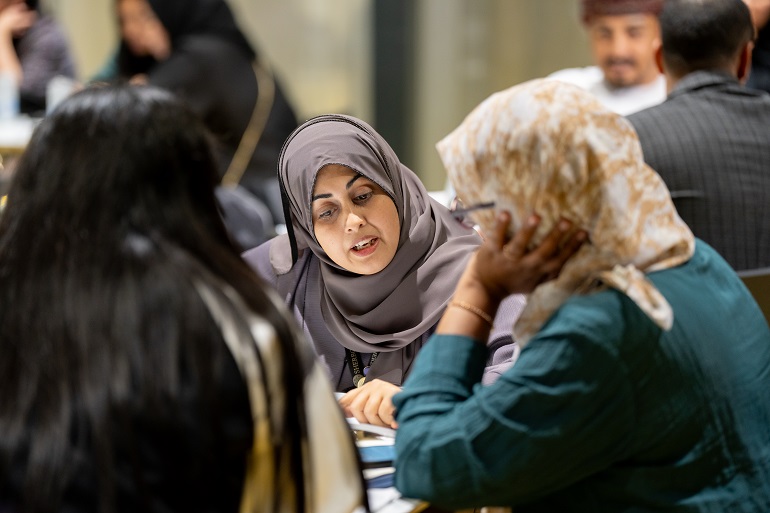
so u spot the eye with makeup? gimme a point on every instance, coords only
(363, 195)
(325, 212)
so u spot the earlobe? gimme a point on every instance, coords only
(659, 58)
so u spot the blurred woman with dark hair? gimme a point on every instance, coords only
(195, 49)
(33, 50)
(145, 367)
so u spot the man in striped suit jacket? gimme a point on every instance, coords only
(710, 140)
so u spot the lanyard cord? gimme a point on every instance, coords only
(354, 361)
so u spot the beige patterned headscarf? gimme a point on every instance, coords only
(550, 148)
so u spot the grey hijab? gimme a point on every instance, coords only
(387, 311)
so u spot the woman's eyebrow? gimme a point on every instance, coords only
(350, 183)
(327, 195)
(320, 196)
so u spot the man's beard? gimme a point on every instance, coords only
(624, 79)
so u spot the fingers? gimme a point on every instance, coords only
(552, 241)
(347, 399)
(354, 404)
(571, 246)
(500, 232)
(20, 17)
(386, 413)
(558, 247)
(550, 255)
(371, 404)
(503, 267)
(517, 246)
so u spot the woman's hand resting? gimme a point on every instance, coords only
(371, 403)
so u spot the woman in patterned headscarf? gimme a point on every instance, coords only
(370, 261)
(643, 382)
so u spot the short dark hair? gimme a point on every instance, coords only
(703, 34)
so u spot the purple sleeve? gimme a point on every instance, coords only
(503, 350)
(43, 53)
(259, 260)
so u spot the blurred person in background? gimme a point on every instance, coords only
(195, 49)
(144, 366)
(710, 140)
(624, 36)
(759, 76)
(33, 50)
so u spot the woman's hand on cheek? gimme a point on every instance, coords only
(16, 19)
(371, 403)
(505, 266)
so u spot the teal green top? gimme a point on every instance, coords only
(603, 411)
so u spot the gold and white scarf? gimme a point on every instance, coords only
(550, 148)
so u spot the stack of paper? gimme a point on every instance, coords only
(375, 445)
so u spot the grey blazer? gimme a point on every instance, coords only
(710, 142)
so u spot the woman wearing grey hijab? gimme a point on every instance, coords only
(369, 263)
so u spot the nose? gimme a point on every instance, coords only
(354, 221)
(620, 46)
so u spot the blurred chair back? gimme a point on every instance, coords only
(758, 283)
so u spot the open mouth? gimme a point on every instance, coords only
(364, 244)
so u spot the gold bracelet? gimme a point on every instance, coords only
(475, 310)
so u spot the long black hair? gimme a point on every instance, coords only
(110, 222)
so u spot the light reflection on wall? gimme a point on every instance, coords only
(321, 49)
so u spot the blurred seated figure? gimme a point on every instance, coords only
(624, 36)
(195, 49)
(759, 75)
(642, 382)
(710, 140)
(33, 50)
(369, 262)
(144, 366)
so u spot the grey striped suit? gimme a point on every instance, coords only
(710, 142)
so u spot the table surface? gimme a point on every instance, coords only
(15, 134)
(389, 500)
